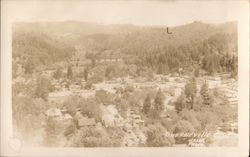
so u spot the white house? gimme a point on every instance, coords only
(58, 97)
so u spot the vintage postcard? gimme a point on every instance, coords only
(124, 78)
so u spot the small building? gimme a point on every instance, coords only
(53, 112)
(175, 91)
(111, 117)
(78, 115)
(67, 117)
(85, 121)
(58, 97)
(213, 84)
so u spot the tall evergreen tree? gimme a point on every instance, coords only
(93, 62)
(158, 102)
(205, 94)
(86, 72)
(69, 72)
(43, 88)
(190, 91)
(180, 103)
(29, 66)
(146, 104)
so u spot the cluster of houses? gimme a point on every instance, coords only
(134, 135)
(171, 86)
(132, 124)
(60, 116)
(110, 117)
(226, 86)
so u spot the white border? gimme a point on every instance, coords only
(9, 15)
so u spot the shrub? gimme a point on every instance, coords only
(156, 136)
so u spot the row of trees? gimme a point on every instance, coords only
(190, 97)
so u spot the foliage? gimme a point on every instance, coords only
(86, 72)
(53, 132)
(153, 114)
(146, 105)
(43, 87)
(158, 102)
(190, 91)
(91, 108)
(226, 113)
(26, 113)
(183, 126)
(95, 79)
(116, 136)
(58, 74)
(204, 92)
(156, 136)
(129, 88)
(208, 120)
(29, 66)
(147, 47)
(180, 103)
(88, 85)
(70, 130)
(104, 97)
(69, 72)
(198, 103)
(190, 116)
(93, 62)
(72, 103)
(108, 72)
(37, 47)
(197, 72)
(91, 137)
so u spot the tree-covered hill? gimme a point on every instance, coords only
(213, 46)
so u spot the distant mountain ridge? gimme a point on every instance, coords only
(73, 28)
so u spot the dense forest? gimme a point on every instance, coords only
(212, 48)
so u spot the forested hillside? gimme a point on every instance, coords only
(212, 47)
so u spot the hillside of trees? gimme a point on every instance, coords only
(212, 48)
(34, 49)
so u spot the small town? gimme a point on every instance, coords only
(103, 98)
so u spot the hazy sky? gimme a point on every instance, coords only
(168, 13)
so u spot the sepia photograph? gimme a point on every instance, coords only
(84, 84)
(136, 74)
